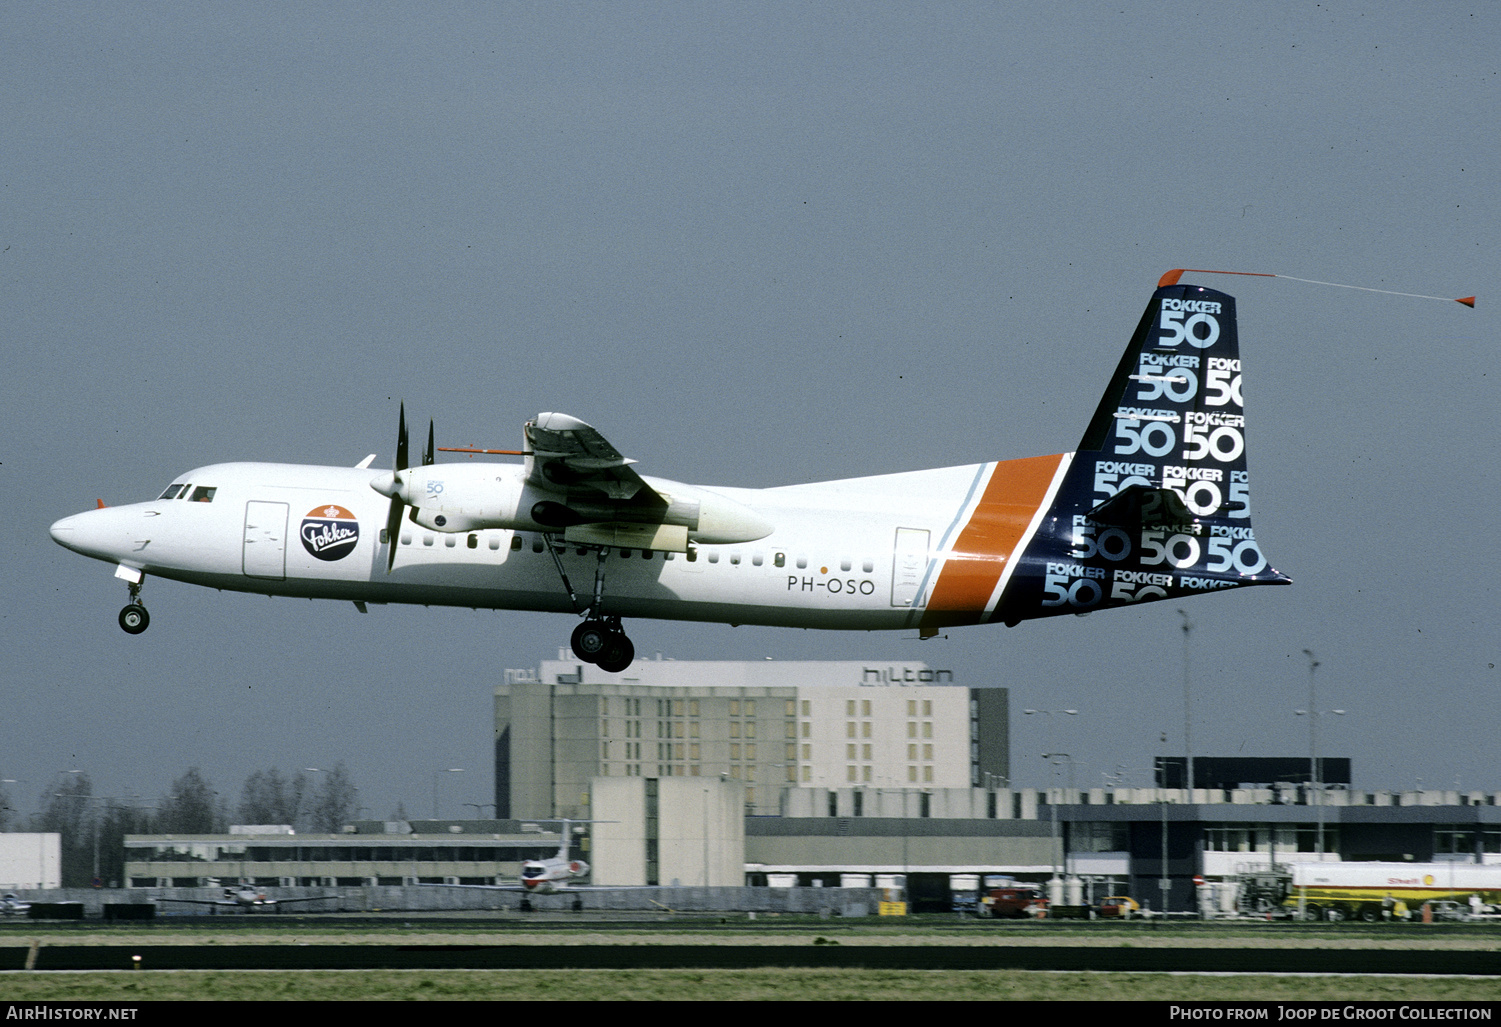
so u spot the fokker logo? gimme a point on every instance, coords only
(329, 532)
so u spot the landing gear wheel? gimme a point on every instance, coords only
(134, 619)
(618, 654)
(590, 640)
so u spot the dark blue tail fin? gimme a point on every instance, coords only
(1156, 503)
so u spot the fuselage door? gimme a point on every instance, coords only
(265, 540)
(909, 564)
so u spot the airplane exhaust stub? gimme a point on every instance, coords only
(329, 532)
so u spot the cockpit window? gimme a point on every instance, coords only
(203, 494)
(172, 491)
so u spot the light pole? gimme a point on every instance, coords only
(1315, 785)
(1055, 758)
(450, 770)
(1316, 774)
(1188, 749)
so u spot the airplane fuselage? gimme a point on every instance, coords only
(831, 560)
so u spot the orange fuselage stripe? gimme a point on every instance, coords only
(985, 545)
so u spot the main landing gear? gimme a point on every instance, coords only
(134, 619)
(598, 640)
(603, 643)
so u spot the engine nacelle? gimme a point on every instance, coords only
(456, 498)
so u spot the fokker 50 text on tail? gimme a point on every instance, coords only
(1154, 504)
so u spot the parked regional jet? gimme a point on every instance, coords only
(1154, 504)
(12, 904)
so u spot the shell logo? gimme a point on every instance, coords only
(1428, 880)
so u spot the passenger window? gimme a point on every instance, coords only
(713, 557)
(756, 559)
(646, 554)
(692, 556)
(537, 545)
(171, 493)
(735, 559)
(450, 541)
(802, 562)
(669, 556)
(844, 565)
(779, 560)
(427, 540)
(494, 543)
(625, 554)
(204, 494)
(473, 541)
(867, 566)
(515, 543)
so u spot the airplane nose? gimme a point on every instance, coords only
(65, 532)
(103, 534)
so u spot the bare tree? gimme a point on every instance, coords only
(66, 809)
(334, 802)
(192, 807)
(269, 798)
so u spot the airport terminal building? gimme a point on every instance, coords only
(792, 774)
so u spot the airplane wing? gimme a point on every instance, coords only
(569, 456)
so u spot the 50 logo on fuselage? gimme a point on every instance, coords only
(329, 532)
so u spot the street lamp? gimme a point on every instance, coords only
(1188, 749)
(1314, 775)
(450, 770)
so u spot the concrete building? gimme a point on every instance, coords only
(668, 831)
(769, 725)
(30, 860)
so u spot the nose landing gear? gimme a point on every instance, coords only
(134, 619)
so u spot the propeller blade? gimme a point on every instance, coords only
(393, 519)
(427, 456)
(401, 440)
(393, 528)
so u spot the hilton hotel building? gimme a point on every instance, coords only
(771, 725)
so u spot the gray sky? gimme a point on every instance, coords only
(753, 244)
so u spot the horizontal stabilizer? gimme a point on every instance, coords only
(1141, 506)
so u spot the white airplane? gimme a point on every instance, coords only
(246, 898)
(12, 904)
(1154, 504)
(549, 876)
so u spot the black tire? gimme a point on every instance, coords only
(618, 654)
(134, 619)
(590, 640)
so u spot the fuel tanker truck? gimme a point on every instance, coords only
(1377, 891)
